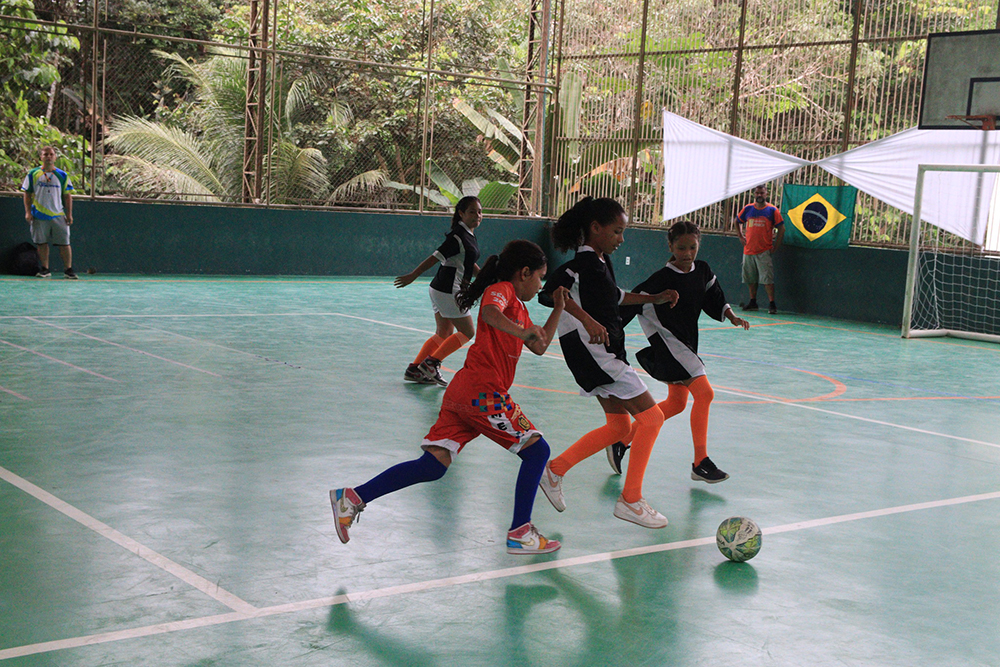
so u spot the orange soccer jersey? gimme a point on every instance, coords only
(760, 224)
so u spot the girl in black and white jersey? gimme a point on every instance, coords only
(457, 256)
(593, 342)
(672, 355)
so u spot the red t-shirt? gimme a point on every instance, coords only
(492, 359)
(760, 224)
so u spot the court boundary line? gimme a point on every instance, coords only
(202, 584)
(58, 361)
(459, 580)
(125, 347)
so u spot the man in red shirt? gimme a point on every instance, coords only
(761, 229)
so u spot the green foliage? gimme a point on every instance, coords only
(30, 62)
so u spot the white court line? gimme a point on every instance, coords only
(58, 361)
(204, 585)
(863, 419)
(14, 393)
(125, 347)
(448, 582)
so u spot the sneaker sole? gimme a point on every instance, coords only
(527, 552)
(699, 478)
(631, 518)
(342, 534)
(610, 450)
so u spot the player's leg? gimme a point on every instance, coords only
(523, 537)
(673, 405)
(703, 469)
(751, 278)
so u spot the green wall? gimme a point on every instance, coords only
(863, 284)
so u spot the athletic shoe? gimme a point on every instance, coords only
(751, 306)
(413, 374)
(347, 505)
(639, 512)
(71, 274)
(706, 471)
(431, 368)
(551, 486)
(43, 273)
(616, 453)
(527, 540)
(772, 309)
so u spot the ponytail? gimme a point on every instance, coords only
(573, 227)
(515, 256)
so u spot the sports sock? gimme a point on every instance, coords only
(451, 344)
(429, 346)
(616, 429)
(425, 469)
(703, 394)
(533, 460)
(649, 422)
(674, 404)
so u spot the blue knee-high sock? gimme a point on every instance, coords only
(533, 461)
(425, 469)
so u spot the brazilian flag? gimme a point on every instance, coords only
(818, 216)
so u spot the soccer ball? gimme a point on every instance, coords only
(738, 538)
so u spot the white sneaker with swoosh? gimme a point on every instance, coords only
(551, 486)
(639, 512)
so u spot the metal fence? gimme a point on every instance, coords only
(574, 109)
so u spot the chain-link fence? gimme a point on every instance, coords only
(408, 106)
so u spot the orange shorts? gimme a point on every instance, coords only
(494, 415)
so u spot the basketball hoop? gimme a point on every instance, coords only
(983, 122)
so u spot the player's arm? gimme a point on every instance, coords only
(666, 296)
(736, 321)
(539, 344)
(27, 205)
(68, 207)
(596, 330)
(492, 315)
(407, 278)
(778, 238)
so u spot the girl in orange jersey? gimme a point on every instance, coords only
(477, 401)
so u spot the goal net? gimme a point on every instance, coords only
(953, 284)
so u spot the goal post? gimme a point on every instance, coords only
(952, 285)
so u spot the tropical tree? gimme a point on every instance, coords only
(197, 154)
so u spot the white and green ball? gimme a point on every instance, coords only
(738, 538)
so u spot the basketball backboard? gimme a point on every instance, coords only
(961, 78)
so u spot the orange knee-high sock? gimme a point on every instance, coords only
(617, 428)
(703, 394)
(649, 422)
(431, 344)
(451, 344)
(674, 404)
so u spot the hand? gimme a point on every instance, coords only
(667, 296)
(69, 220)
(404, 280)
(559, 297)
(598, 334)
(740, 322)
(28, 217)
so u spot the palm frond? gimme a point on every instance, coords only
(367, 182)
(168, 147)
(156, 181)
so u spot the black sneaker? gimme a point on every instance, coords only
(413, 374)
(751, 306)
(616, 453)
(707, 472)
(772, 309)
(43, 273)
(431, 368)
(71, 274)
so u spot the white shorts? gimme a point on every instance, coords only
(627, 386)
(445, 306)
(54, 231)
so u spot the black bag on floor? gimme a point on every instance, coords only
(24, 260)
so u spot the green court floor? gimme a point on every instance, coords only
(167, 446)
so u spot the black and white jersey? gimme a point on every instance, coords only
(672, 333)
(458, 256)
(591, 284)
